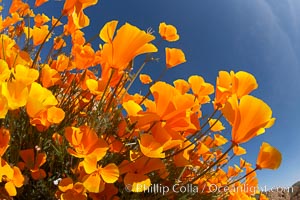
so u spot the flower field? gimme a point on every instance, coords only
(70, 129)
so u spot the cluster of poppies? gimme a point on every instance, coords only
(70, 129)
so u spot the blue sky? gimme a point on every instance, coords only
(258, 36)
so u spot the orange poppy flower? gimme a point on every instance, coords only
(174, 57)
(150, 147)
(170, 112)
(85, 142)
(240, 83)
(239, 195)
(25, 75)
(168, 32)
(84, 56)
(233, 171)
(11, 176)
(215, 125)
(96, 87)
(202, 148)
(62, 63)
(182, 86)
(4, 71)
(145, 79)
(200, 88)
(243, 83)
(59, 43)
(238, 150)
(3, 105)
(55, 115)
(251, 182)
(33, 162)
(183, 158)
(97, 175)
(136, 172)
(4, 140)
(262, 196)
(49, 76)
(41, 19)
(268, 158)
(108, 31)
(128, 43)
(173, 108)
(39, 34)
(137, 182)
(16, 95)
(219, 140)
(39, 99)
(28, 32)
(43, 119)
(54, 21)
(70, 191)
(8, 46)
(9, 21)
(74, 9)
(244, 164)
(70, 5)
(248, 118)
(39, 2)
(16, 5)
(80, 19)
(41, 108)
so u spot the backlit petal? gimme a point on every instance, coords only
(174, 57)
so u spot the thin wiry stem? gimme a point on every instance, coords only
(44, 41)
